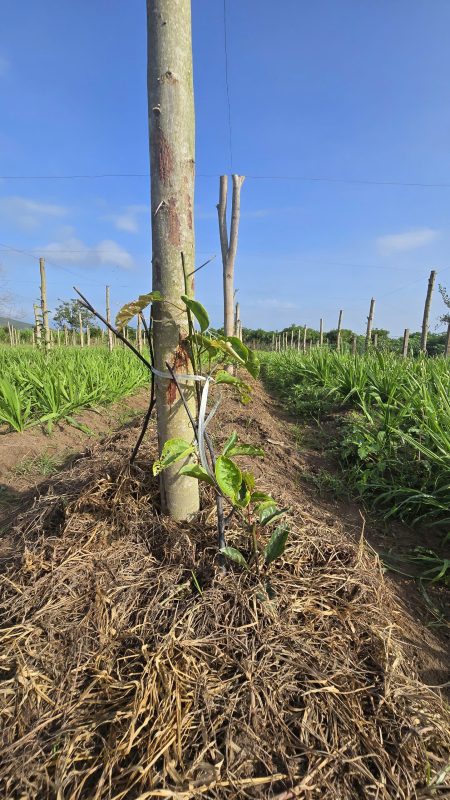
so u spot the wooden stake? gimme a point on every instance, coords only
(405, 343)
(369, 324)
(229, 246)
(339, 328)
(44, 304)
(108, 319)
(447, 342)
(305, 329)
(375, 341)
(354, 341)
(37, 324)
(81, 329)
(426, 311)
(321, 332)
(66, 335)
(88, 335)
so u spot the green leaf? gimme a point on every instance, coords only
(230, 443)
(238, 347)
(243, 497)
(243, 388)
(234, 555)
(196, 471)
(229, 477)
(198, 311)
(262, 497)
(252, 364)
(268, 516)
(249, 479)
(173, 450)
(130, 310)
(277, 543)
(245, 450)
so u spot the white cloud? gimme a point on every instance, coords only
(409, 240)
(74, 251)
(272, 302)
(4, 66)
(26, 213)
(129, 219)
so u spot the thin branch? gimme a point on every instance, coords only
(116, 333)
(197, 269)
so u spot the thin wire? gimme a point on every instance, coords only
(230, 140)
(301, 178)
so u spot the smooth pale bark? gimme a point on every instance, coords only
(369, 323)
(44, 309)
(88, 336)
(66, 336)
(172, 165)
(426, 311)
(354, 341)
(405, 343)
(375, 341)
(305, 329)
(338, 335)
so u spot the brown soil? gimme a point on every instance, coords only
(19, 451)
(122, 682)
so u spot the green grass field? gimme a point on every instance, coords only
(36, 388)
(392, 427)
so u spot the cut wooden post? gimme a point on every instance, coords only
(172, 167)
(375, 341)
(426, 311)
(292, 338)
(237, 319)
(321, 332)
(228, 245)
(139, 334)
(80, 321)
(369, 324)
(66, 335)
(11, 335)
(339, 328)
(447, 342)
(305, 329)
(354, 341)
(74, 336)
(37, 324)
(108, 319)
(88, 335)
(405, 343)
(58, 335)
(45, 323)
(298, 339)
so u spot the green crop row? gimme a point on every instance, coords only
(38, 388)
(393, 425)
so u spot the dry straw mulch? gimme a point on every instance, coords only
(120, 680)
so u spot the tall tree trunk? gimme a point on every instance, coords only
(369, 324)
(45, 324)
(405, 343)
(426, 311)
(172, 164)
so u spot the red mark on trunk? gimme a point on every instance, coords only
(180, 364)
(174, 223)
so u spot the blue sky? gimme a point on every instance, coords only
(337, 89)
